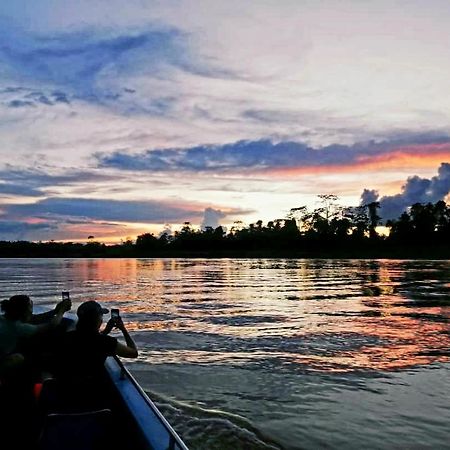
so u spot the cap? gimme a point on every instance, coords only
(90, 308)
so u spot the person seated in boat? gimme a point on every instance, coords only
(19, 328)
(80, 360)
(82, 352)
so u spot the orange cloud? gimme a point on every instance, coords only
(406, 158)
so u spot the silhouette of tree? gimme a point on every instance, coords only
(147, 242)
(442, 212)
(374, 218)
(423, 219)
(360, 222)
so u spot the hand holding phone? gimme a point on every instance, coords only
(65, 303)
(115, 316)
(116, 319)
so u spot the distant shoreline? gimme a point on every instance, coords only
(394, 254)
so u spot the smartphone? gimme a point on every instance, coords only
(114, 313)
(65, 295)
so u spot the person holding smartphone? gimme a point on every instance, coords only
(82, 352)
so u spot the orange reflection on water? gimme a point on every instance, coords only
(102, 269)
(332, 316)
(403, 339)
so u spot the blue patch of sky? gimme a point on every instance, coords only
(87, 64)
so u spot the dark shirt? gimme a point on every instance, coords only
(83, 354)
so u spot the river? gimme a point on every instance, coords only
(286, 354)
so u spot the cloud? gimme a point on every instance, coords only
(167, 230)
(20, 230)
(23, 97)
(369, 196)
(212, 217)
(33, 182)
(63, 229)
(19, 190)
(265, 155)
(415, 190)
(112, 210)
(20, 103)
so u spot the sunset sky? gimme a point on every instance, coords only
(118, 117)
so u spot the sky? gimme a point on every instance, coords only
(119, 118)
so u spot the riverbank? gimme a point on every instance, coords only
(422, 253)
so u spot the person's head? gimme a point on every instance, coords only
(18, 307)
(90, 316)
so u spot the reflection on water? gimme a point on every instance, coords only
(333, 327)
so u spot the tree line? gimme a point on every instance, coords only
(330, 230)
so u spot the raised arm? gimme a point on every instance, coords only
(55, 317)
(47, 317)
(129, 350)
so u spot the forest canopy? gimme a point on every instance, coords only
(423, 230)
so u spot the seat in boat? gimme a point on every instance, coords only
(74, 396)
(90, 430)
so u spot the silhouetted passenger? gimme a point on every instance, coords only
(83, 352)
(18, 326)
(21, 335)
(80, 359)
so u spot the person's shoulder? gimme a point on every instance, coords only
(68, 337)
(70, 334)
(25, 329)
(108, 343)
(106, 338)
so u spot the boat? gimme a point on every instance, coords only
(153, 429)
(131, 421)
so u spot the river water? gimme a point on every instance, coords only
(276, 353)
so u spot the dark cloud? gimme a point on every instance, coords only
(39, 97)
(12, 89)
(415, 190)
(18, 230)
(23, 97)
(111, 210)
(14, 227)
(20, 103)
(60, 97)
(20, 190)
(240, 155)
(31, 182)
(267, 155)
